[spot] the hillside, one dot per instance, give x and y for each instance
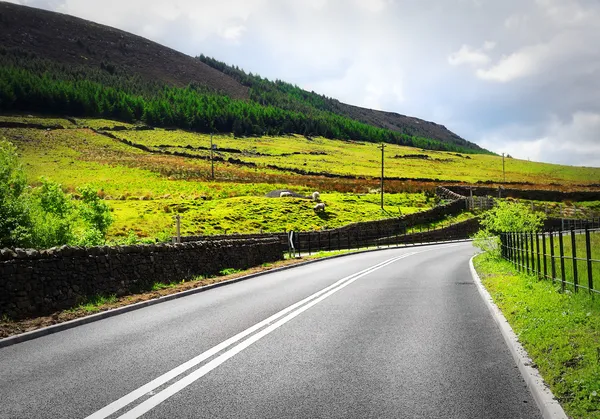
(282, 94)
(57, 64)
(76, 42)
(146, 176)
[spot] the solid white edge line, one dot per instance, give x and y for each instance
(169, 375)
(545, 400)
(173, 389)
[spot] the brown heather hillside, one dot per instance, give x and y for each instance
(76, 41)
(401, 123)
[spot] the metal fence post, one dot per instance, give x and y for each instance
(544, 252)
(562, 259)
(526, 252)
(533, 268)
(518, 251)
(574, 257)
(537, 252)
(588, 250)
(552, 264)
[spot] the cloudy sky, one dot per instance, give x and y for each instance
(514, 76)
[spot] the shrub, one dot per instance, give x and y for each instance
(52, 215)
(505, 217)
(94, 211)
(14, 212)
(509, 217)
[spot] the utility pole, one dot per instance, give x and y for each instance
(212, 163)
(382, 148)
(503, 172)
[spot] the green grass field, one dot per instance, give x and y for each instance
(146, 188)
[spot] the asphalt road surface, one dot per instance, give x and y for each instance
(399, 333)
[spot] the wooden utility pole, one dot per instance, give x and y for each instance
(382, 146)
(503, 172)
(212, 163)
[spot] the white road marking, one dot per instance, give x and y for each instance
(152, 402)
(170, 375)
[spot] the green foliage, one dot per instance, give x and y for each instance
(52, 216)
(505, 217)
(510, 217)
(229, 271)
(488, 243)
(14, 213)
(89, 237)
(46, 216)
(94, 210)
(96, 303)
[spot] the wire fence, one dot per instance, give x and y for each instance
(569, 257)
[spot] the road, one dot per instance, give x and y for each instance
(387, 334)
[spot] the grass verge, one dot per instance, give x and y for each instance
(560, 331)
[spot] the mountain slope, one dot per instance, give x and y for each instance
(64, 64)
(74, 41)
(288, 96)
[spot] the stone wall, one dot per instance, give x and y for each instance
(41, 282)
(357, 237)
(530, 194)
(372, 229)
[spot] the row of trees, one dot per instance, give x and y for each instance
(291, 97)
(189, 108)
(30, 84)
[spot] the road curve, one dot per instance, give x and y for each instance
(388, 334)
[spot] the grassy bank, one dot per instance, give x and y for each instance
(560, 331)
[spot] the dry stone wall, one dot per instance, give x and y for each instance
(530, 194)
(41, 282)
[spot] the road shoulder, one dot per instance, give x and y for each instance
(542, 395)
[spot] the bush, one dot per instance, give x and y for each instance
(488, 243)
(52, 215)
(510, 217)
(505, 217)
(14, 212)
(94, 211)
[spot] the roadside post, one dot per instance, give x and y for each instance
(177, 238)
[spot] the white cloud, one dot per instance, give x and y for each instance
(489, 45)
(468, 55)
(515, 66)
(374, 6)
(575, 141)
(234, 33)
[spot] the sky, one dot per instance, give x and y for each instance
(520, 77)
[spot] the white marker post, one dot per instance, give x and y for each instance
(177, 219)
